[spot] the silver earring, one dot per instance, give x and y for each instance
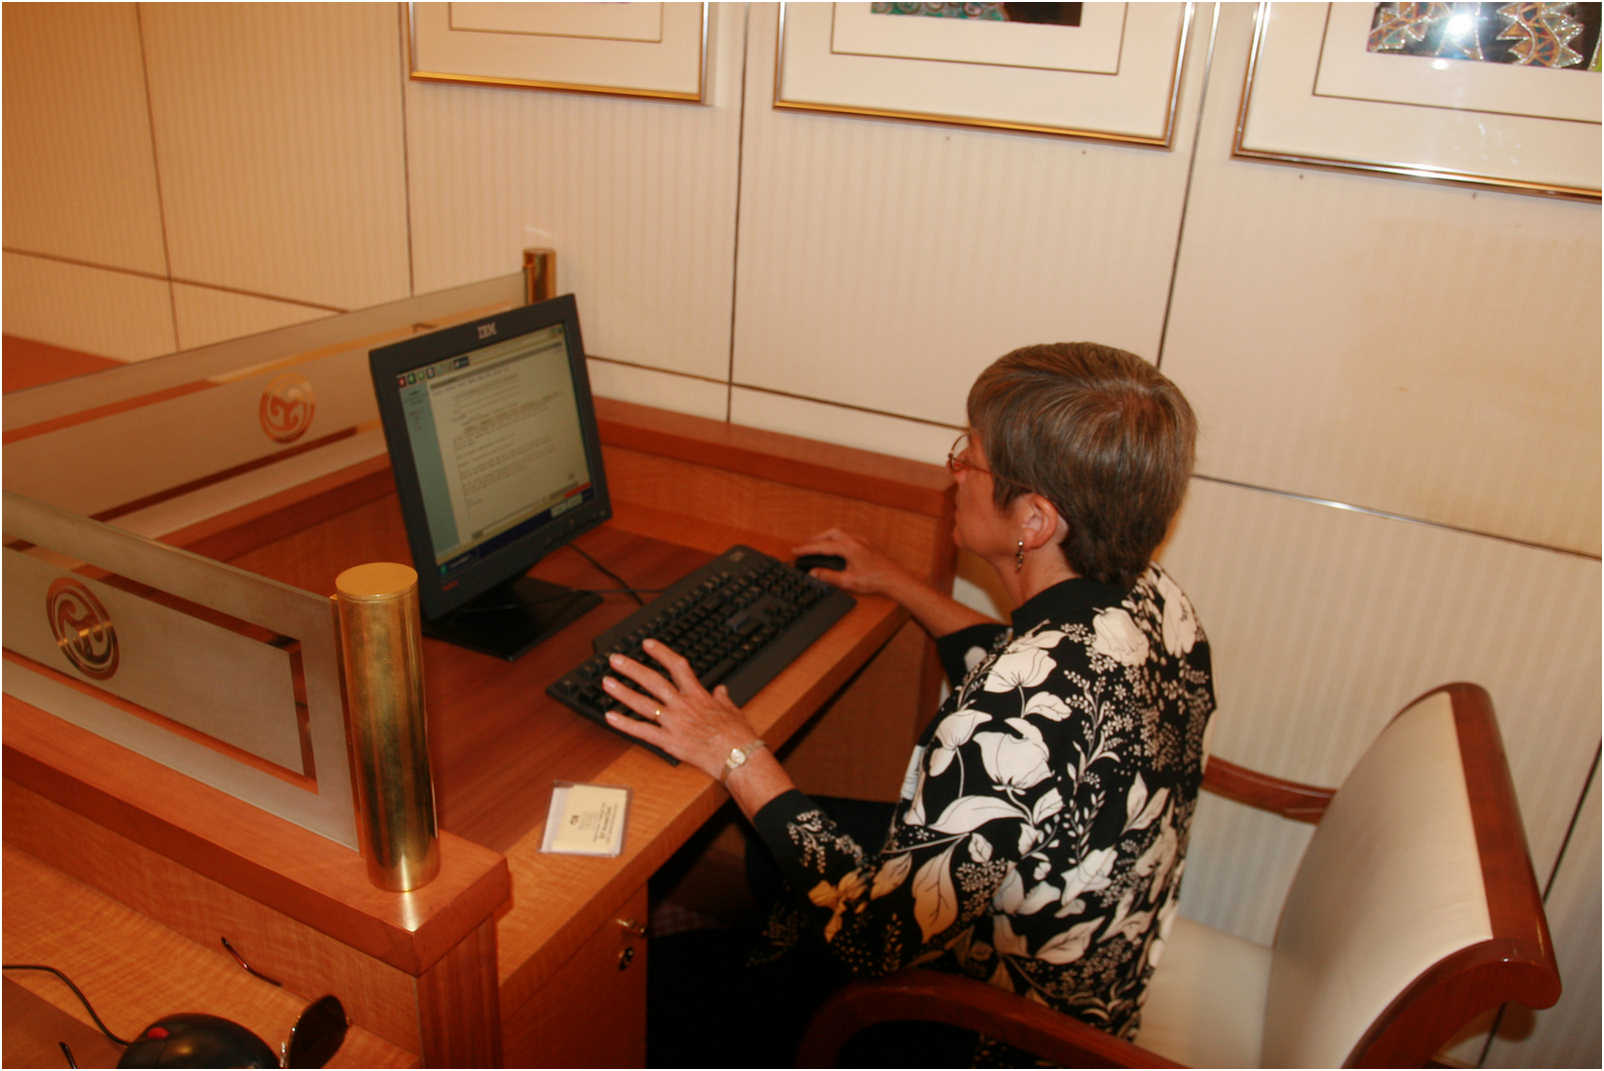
(1019, 556)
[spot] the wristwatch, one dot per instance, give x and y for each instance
(738, 757)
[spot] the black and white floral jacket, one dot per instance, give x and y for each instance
(1039, 840)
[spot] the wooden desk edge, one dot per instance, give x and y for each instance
(810, 463)
(299, 873)
(913, 486)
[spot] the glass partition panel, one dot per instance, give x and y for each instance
(223, 675)
(226, 676)
(315, 337)
(257, 414)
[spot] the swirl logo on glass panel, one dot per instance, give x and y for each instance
(287, 407)
(82, 628)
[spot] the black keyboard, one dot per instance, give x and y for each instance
(739, 620)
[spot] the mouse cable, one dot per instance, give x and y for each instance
(75, 992)
(625, 589)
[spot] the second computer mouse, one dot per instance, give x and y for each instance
(809, 562)
(192, 1039)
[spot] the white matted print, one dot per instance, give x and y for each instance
(1093, 47)
(1371, 87)
(629, 49)
(1108, 71)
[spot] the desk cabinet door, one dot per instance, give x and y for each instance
(592, 1013)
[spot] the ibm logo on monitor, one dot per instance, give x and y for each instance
(487, 330)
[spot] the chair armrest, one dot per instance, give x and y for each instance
(931, 996)
(1289, 799)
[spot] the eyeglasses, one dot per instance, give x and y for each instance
(319, 1032)
(955, 459)
(316, 1035)
(957, 462)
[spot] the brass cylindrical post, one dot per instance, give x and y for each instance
(381, 642)
(540, 275)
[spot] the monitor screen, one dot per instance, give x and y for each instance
(492, 439)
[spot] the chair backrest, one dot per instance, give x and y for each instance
(1414, 907)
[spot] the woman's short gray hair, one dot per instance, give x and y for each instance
(1102, 435)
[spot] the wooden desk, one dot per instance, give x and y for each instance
(509, 954)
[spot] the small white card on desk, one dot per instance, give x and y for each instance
(586, 819)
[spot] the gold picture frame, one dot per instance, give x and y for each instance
(620, 49)
(1313, 97)
(1116, 77)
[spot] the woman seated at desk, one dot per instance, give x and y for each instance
(1039, 838)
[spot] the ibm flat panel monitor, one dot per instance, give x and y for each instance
(492, 438)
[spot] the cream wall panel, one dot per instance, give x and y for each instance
(884, 263)
(279, 138)
(109, 313)
(80, 180)
(976, 585)
(1324, 622)
(1239, 866)
(1566, 1035)
(648, 386)
(867, 430)
(1397, 345)
(637, 196)
(206, 315)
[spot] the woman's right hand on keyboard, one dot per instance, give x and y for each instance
(690, 723)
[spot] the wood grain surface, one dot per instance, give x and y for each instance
(52, 919)
(429, 970)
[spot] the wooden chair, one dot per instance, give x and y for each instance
(1413, 910)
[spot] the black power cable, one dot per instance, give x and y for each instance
(75, 992)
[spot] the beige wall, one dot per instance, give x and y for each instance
(1427, 355)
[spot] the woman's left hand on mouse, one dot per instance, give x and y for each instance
(683, 718)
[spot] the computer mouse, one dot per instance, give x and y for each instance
(193, 1039)
(809, 562)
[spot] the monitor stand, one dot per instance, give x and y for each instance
(509, 619)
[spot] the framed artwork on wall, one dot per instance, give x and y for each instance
(1104, 71)
(627, 49)
(1505, 96)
